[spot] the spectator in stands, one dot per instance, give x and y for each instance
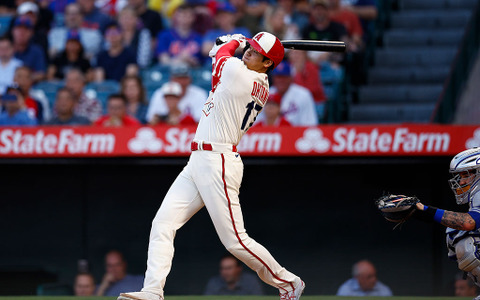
(8, 63)
(465, 287)
(249, 13)
(180, 43)
(117, 61)
(204, 15)
(232, 280)
(23, 79)
(84, 285)
(150, 19)
(65, 110)
(225, 24)
(293, 14)
(298, 105)
(85, 106)
(137, 39)
(116, 279)
(172, 92)
(44, 16)
(192, 98)
(134, 91)
(29, 53)
(71, 57)
(92, 16)
(364, 282)
(271, 111)
(14, 113)
(165, 8)
(116, 116)
(275, 23)
(322, 28)
(306, 74)
(90, 38)
(30, 10)
(366, 10)
(350, 21)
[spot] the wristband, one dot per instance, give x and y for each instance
(429, 214)
(438, 215)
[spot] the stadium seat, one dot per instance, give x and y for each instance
(106, 86)
(101, 96)
(155, 76)
(203, 78)
(58, 19)
(4, 24)
(49, 86)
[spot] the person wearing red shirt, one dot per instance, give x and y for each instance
(172, 92)
(351, 22)
(273, 116)
(116, 113)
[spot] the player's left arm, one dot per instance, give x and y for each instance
(456, 220)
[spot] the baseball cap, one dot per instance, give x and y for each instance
(180, 70)
(283, 69)
(27, 7)
(23, 21)
(9, 97)
(73, 35)
(274, 98)
(171, 88)
(226, 7)
(269, 46)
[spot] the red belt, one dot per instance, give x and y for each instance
(207, 147)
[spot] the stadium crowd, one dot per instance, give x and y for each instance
(129, 62)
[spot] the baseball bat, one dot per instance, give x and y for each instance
(311, 45)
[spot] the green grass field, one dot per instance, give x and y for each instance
(233, 298)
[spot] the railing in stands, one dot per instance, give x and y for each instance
(459, 72)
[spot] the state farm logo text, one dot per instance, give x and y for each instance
(66, 141)
(349, 140)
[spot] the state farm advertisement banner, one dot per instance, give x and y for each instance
(386, 140)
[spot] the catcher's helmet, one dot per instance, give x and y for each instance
(465, 166)
(269, 46)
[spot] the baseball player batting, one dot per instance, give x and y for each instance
(214, 171)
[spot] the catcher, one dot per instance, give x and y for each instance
(463, 234)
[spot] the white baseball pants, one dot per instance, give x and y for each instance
(210, 179)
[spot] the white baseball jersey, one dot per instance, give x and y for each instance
(298, 106)
(212, 178)
(191, 103)
(238, 95)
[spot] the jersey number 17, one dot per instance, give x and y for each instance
(251, 107)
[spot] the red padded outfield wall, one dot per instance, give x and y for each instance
(335, 140)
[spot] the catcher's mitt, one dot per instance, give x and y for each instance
(396, 208)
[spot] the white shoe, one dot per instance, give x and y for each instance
(295, 293)
(139, 296)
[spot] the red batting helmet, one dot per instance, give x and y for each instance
(269, 46)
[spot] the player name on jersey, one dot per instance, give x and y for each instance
(384, 140)
(259, 92)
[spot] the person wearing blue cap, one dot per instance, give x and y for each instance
(225, 19)
(73, 56)
(297, 105)
(90, 38)
(29, 53)
(14, 113)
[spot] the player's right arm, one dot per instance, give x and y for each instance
(456, 220)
